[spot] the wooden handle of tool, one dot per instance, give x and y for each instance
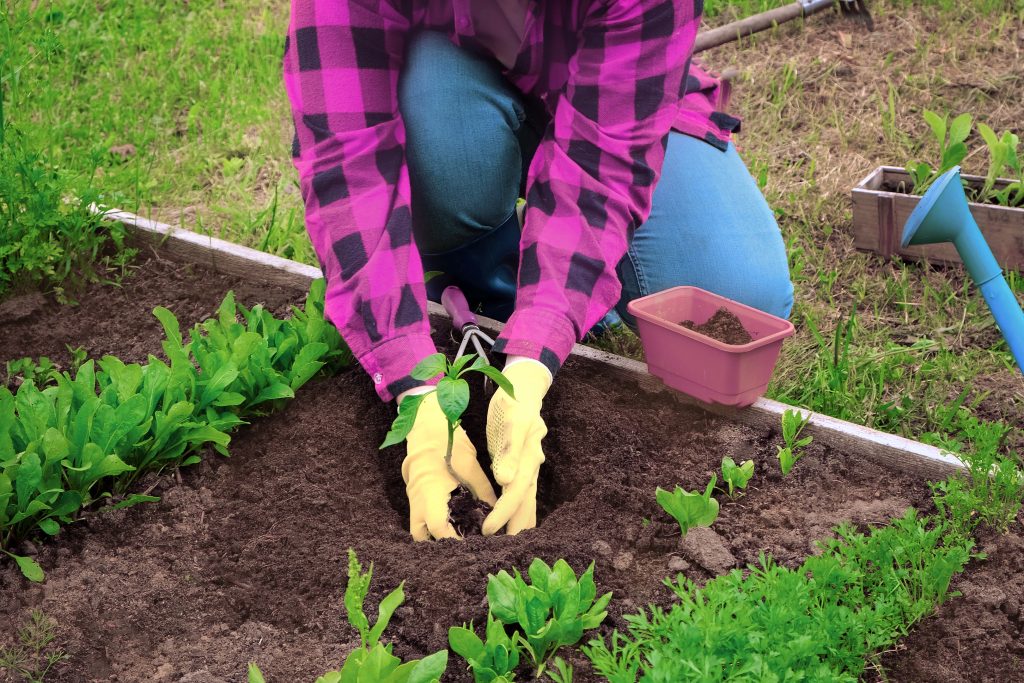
(454, 302)
(745, 27)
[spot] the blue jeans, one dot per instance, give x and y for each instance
(469, 138)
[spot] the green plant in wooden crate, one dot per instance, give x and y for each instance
(690, 508)
(1003, 161)
(552, 611)
(793, 422)
(736, 476)
(952, 148)
(373, 661)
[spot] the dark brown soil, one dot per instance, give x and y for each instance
(723, 326)
(244, 559)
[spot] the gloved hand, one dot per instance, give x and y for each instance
(428, 482)
(514, 433)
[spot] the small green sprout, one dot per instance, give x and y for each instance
(690, 509)
(452, 395)
(793, 422)
(736, 476)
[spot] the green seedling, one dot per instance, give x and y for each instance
(372, 661)
(736, 476)
(491, 661)
(560, 671)
(552, 611)
(690, 509)
(33, 657)
(452, 395)
(1003, 160)
(793, 422)
(952, 149)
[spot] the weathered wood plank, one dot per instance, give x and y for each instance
(889, 450)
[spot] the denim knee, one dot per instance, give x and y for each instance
(464, 158)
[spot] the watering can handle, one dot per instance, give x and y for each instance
(454, 302)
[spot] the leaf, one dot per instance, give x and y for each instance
(501, 596)
(465, 643)
(430, 367)
(134, 499)
(960, 128)
(954, 154)
(49, 526)
(29, 567)
(405, 419)
(274, 392)
(988, 135)
(937, 125)
(387, 607)
(498, 378)
(453, 397)
(255, 675)
(430, 668)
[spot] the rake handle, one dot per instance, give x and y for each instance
(454, 302)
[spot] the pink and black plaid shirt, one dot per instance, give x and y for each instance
(615, 78)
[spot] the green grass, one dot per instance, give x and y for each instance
(195, 89)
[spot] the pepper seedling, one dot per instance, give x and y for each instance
(793, 422)
(491, 661)
(452, 395)
(736, 476)
(553, 610)
(690, 509)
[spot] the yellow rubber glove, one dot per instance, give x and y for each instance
(428, 482)
(514, 433)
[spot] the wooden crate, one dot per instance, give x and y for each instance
(879, 214)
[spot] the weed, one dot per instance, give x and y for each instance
(33, 657)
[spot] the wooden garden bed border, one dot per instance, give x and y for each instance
(226, 257)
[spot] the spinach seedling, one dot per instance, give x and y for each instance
(452, 395)
(952, 149)
(491, 661)
(690, 509)
(736, 476)
(553, 610)
(372, 661)
(793, 422)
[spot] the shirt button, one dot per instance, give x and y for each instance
(378, 378)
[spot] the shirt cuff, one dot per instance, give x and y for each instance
(542, 335)
(390, 363)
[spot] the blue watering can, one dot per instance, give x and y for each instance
(943, 215)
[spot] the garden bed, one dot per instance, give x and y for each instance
(243, 559)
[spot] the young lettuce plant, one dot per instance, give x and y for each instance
(553, 610)
(491, 661)
(452, 395)
(793, 422)
(372, 661)
(1003, 159)
(690, 509)
(736, 476)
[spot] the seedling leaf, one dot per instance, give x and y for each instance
(404, 421)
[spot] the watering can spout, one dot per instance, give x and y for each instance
(943, 215)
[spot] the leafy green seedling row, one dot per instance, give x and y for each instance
(90, 435)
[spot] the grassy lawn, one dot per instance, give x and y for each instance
(176, 111)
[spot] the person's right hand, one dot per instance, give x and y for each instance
(428, 483)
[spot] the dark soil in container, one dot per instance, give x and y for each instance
(723, 326)
(243, 559)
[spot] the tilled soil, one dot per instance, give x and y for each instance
(244, 558)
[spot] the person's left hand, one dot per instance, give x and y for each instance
(514, 433)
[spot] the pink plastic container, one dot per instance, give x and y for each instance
(697, 365)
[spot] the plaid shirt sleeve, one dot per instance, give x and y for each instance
(341, 65)
(591, 181)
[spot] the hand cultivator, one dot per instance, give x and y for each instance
(465, 329)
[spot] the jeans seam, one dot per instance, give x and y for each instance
(641, 279)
